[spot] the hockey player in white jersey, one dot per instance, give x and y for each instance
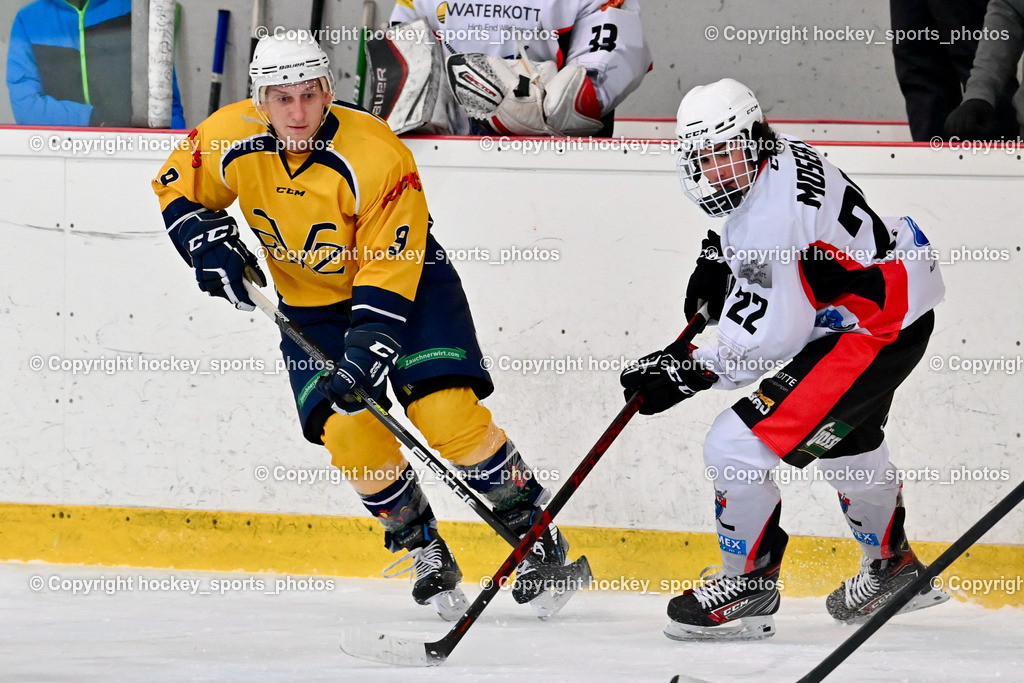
(837, 297)
(536, 67)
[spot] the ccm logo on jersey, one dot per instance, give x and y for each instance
(288, 190)
(411, 180)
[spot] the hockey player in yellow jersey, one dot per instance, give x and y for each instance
(336, 202)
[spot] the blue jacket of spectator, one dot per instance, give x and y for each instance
(72, 67)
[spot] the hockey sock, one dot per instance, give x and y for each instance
(747, 519)
(503, 479)
(876, 522)
(869, 493)
(403, 510)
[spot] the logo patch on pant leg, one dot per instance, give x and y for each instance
(826, 437)
(732, 545)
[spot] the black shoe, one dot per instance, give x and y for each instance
(877, 582)
(435, 572)
(545, 578)
(749, 600)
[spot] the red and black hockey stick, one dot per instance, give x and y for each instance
(379, 647)
(886, 613)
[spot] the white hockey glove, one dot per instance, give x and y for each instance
(571, 105)
(507, 94)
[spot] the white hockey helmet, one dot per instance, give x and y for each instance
(710, 115)
(285, 59)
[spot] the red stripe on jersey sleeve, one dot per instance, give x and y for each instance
(876, 294)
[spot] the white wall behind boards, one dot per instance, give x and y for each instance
(90, 276)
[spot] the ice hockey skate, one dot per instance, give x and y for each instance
(546, 578)
(729, 607)
(436, 577)
(876, 583)
(726, 607)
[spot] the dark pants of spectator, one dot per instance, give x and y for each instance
(933, 66)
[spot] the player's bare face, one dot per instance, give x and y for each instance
(296, 111)
(727, 168)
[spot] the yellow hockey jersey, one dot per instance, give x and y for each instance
(347, 220)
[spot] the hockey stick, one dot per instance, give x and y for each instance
(408, 440)
(254, 33)
(160, 67)
(316, 19)
(378, 647)
(369, 17)
(947, 558)
(219, 46)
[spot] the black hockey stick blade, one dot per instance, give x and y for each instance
(410, 652)
(947, 558)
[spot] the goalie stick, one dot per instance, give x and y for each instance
(947, 558)
(379, 647)
(579, 573)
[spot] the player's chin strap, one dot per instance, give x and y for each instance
(453, 482)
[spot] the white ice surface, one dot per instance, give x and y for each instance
(252, 634)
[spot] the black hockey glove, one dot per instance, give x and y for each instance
(220, 257)
(664, 378)
(370, 351)
(972, 120)
(709, 281)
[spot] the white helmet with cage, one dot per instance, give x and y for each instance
(714, 120)
(286, 59)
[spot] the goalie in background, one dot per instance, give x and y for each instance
(556, 67)
(336, 201)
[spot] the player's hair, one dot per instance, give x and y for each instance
(766, 141)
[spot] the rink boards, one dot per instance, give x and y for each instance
(130, 395)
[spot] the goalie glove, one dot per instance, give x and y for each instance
(571, 105)
(220, 258)
(507, 94)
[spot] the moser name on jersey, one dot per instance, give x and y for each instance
(810, 174)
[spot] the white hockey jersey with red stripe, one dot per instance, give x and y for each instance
(604, 36)
(811, 258)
